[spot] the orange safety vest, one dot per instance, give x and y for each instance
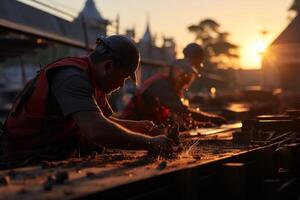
(138, 110)
(30, 132)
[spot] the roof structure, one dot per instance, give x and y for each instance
(23, 28)
(18, 17)
(90, 11)
(291, 35)
(150, 51)
(147, 37)
(15, 47)
(93, 22)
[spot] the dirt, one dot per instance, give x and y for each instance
(108, 169)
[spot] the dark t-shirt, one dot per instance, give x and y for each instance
(163, 91)
(70, 91)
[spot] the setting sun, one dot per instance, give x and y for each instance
(259, 48)
(253, 52)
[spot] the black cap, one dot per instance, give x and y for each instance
(194, 51)
(123, 49)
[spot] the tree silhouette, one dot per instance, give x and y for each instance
(295, 6)
(220, 52)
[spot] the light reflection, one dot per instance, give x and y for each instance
(213, 92)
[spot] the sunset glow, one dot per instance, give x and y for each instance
(252, 53)
(171, 20)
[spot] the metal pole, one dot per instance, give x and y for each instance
(118, 24)
(23, 72)
(85, 34)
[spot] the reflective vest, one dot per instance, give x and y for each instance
(30, 132)
(137, 109)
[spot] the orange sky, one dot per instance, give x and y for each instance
(243, 19)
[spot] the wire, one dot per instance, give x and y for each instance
(64, 6)
(54, 8)
(110, 29)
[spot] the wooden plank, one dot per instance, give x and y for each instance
(106, 171)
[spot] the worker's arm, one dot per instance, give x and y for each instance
(102, 131)
(170, 99)
(163, 92)
(71, 91)
(144, 126)
(139, 126)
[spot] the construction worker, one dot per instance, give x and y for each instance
(65, 107)
(159, 97)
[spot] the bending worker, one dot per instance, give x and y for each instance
(64, 107)
(159, 97)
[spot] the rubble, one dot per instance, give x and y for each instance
(162, 165)
(4, 180)
(61, 177)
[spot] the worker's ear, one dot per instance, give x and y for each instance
(108, 66)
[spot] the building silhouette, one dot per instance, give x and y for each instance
(281, 62)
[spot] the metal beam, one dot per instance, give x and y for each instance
(21, 28)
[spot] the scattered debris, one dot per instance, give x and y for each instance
(173, 133)
(23, 191)
(48, 185)
(129, 174)
(162, 165)
(46, 164)
(192, 161)
(90, 175)
(216, 151)
(12, 174)
(61, 177)
(4, 180)
(94, 155)
(197, 156)
(78, 170)
(68, 192)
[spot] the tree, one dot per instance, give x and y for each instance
(220, 52)
(295, 6)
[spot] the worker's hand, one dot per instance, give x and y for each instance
(148, 125)
(160, 144)
(173, 133)
(150, 128)
(143, 126)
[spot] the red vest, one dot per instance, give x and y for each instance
(30, 132)
(138, 110)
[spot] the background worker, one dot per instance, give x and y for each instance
(159, 97)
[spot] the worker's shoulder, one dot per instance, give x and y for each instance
(180, 62)
(160, 85)
(68, 73)
(65, 72)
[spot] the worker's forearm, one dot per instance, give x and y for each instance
(113, 135)
(126, 123)
(102, 131)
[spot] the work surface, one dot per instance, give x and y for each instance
(78, 177)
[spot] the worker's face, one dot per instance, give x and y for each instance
(186, 80)
(111, 77)
(196, 62)
(183, 81)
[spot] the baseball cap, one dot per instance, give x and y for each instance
(195, 53)
(123, 50)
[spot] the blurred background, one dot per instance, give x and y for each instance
(252, 47)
